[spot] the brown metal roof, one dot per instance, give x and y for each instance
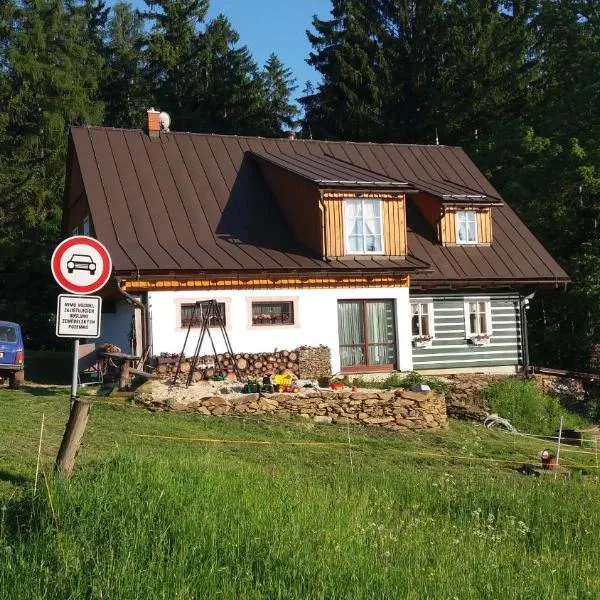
(515, 255)
(330, 172)
(187, 203)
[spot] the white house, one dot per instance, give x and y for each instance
(394, 256)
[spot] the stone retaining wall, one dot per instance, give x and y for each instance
(396, 410)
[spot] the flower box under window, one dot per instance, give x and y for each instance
(422, 341)
(272, 313)
(480, 340)
(192, 315)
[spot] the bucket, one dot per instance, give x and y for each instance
(548, 461)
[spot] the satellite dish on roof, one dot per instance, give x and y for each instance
(165, 121)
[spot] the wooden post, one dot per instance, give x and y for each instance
(78, 418)
(124, 375)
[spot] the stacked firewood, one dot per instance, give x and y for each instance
(249, 365)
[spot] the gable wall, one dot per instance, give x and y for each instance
(77, 204)
(484, 225)
(299, 201)
(394, 223)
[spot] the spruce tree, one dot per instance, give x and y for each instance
(52, 71)
(174, 58)
(124, 88)
(230, 96)
(348, 54)
(279, 86)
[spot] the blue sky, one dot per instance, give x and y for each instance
(278, 26)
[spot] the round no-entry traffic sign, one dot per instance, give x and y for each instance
(81, 265)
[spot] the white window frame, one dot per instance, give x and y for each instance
(347, 229)
(488, 316)
(466, 213)
(430, 319)
(293, 300)
(86, 225)
(180, 303)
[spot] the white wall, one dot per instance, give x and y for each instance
(316, 320)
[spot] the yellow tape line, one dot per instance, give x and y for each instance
(256, 442)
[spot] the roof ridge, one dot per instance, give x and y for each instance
(260, 137)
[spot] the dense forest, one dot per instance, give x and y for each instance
(516, 83)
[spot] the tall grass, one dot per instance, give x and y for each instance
(198, 528)
(528, 408)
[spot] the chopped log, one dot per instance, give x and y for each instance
(290, 365)
(197, 376)
(226, 362)
(209, 373)
(257, 364)
(162, 369)
(286, 354)
(242, 364)
(185, 367)
(293, 356)
(246, 356)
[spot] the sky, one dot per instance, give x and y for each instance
(278, 26)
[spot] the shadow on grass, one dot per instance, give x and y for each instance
(45, 391)
(13, 477)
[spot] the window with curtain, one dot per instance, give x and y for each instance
(367, 333)
(195, 318)
(422, 319)
(477, 313)
(272, 313)
(86, 225)
(466, 227)
(363, 226)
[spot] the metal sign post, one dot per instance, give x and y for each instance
(81, 265)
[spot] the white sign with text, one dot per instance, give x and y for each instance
(78, 316)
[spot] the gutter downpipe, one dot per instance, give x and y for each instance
(143, 309)
(523, 304)
(324, 225)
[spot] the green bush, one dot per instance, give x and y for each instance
(403, 380)
(527, 408)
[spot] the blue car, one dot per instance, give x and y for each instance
(12, 354)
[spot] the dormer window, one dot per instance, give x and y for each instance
(466, 227)
(363, 226)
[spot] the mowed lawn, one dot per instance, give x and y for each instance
(312, 511)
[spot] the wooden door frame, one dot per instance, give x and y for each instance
(369, 368)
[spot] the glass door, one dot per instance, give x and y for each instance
(367, 333)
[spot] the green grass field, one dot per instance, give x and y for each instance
(307, 515)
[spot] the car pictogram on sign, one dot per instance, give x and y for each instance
(81, 262)
(81, 265)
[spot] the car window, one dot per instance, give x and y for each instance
(7, 334)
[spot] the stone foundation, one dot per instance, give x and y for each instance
(397, 410)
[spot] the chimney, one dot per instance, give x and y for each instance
(291, 135)
(153, 123)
